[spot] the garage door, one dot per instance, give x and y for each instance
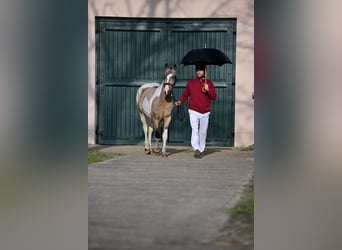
(131, 52)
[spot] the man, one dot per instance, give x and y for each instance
(201, 91)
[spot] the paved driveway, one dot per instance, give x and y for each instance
(144, 202)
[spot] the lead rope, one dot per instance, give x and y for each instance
(180, 113)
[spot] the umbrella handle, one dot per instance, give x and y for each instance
(203, 87)
(205, 79)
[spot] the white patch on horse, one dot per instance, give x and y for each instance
(168, 77)
(147, 104)
(146, 85)
(167, 88)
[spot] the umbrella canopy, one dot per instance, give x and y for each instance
(207, 56)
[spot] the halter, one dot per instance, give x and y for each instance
(169, 83)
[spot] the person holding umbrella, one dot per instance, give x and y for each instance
(200, 91)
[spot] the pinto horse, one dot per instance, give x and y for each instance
(154, 102)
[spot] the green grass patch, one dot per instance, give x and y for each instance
(239, 229)
(98, 156)
(243, 207)
(248, 148)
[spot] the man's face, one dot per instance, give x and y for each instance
(200, 72)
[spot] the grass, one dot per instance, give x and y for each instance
(244, 207)
(239, 229)
(248, 148)
(98, 156)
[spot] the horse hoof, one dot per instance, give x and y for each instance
(148, 152)
(165, 155)
(157, 152)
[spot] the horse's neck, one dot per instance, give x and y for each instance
(158, 93)
(161, 94)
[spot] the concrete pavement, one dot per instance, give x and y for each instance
(146, 202)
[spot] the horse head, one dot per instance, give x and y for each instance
(169, 79)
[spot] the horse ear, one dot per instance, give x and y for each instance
(166, 65)
(175, 67)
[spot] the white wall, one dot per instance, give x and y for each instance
(243, 10)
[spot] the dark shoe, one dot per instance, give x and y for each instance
(197, 154)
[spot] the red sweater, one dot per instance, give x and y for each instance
(199, 101)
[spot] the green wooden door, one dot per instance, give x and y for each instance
(131, 52)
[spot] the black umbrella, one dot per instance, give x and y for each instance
(207, 56)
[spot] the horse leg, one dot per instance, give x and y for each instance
(157, 134)
(167, 121)
(146, 133)
(164, 154)
(149, 140)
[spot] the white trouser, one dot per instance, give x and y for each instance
(199, 125)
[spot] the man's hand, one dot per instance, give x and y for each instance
(205, 88)
(177, 103)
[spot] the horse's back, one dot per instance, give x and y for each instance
(144, 87)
